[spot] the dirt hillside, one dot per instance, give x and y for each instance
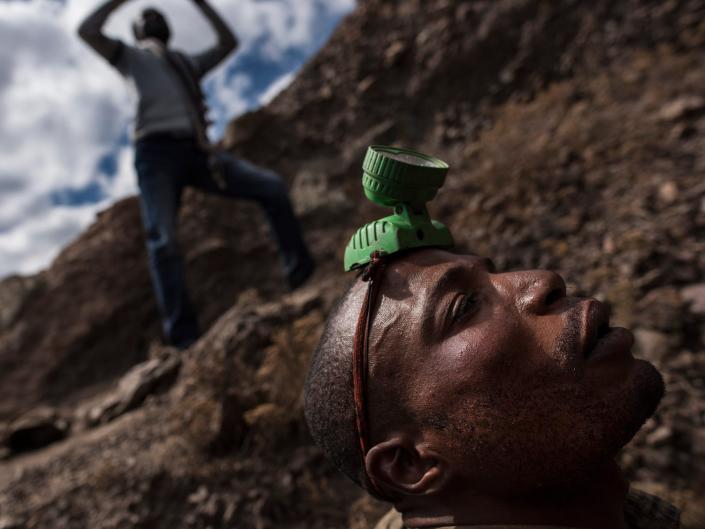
(576, 136)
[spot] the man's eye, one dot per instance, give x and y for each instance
(465, 304)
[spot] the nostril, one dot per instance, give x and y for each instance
(553, 296)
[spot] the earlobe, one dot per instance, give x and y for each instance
(398, 465)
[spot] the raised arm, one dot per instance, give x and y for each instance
(227, 41)
(91, 30)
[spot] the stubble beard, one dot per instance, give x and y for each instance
(551, 437)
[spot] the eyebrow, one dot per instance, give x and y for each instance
(451, 275)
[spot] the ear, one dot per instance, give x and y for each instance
(406, 467)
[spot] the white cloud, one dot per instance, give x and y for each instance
(227, 100)
(35, 244)
(63, 108)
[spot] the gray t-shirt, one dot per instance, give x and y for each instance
(162, 104)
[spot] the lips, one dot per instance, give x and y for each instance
(597, 325)
(601, 339)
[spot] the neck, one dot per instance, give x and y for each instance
(597, 503)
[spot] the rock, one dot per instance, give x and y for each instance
(303, 301)
(683, 362)
(668, 192)
(682, 107)
(7, 522)
(694, 296)
(365, 84)
(269, 424)
(394, 52)
(35, 429)
(262, 414)
(682, 131)
(213, 424)
(652, 345)
(660, 436)
(199, 496)
(152, 376)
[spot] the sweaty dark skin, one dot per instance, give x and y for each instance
(494, 398)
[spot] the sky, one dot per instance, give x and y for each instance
(65, 149)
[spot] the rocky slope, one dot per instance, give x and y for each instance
(575, 132)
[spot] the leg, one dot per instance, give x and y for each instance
(241, 179)
(160, 196)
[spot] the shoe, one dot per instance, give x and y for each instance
(301, 273)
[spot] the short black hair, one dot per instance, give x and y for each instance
(151, 23)
(328, 394)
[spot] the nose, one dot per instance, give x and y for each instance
(533, 291)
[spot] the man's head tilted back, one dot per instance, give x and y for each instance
(481, 385)
(151, 24)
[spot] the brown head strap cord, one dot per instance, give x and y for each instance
(373, 275)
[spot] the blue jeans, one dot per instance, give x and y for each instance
(166, 166)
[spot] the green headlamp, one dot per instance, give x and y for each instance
(404, 180)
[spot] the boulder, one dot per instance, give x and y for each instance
(694, 296)
(668, 192)
(660, 436)
(652, 345)
(153, 376)
(7, 522)
(35, 429)
(682, 107)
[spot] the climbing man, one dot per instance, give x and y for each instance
(473, 398)
(172, 152)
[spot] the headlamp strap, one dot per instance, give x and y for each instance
(372, 274)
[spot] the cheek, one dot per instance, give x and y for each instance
(490, 353)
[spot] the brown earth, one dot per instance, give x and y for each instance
(576, 136)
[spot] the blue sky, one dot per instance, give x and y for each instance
(64, 137)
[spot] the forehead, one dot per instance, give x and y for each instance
(419, 273)
(411, 287)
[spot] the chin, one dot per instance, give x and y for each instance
(608, 425)
(648, 389)
(628, 409)
(625, 403)
(553, 439)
